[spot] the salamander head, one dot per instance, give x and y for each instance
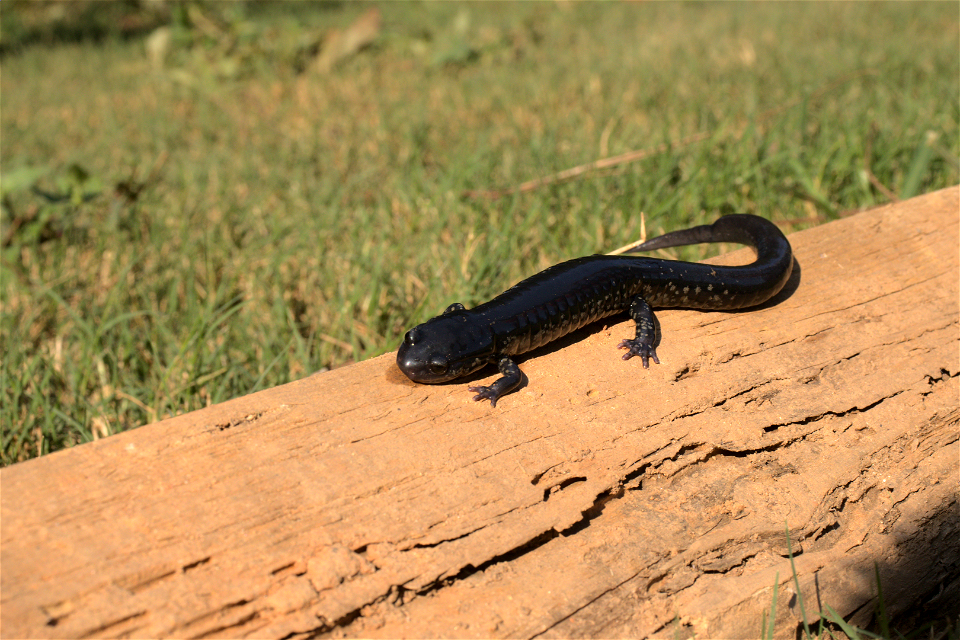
(449, 346)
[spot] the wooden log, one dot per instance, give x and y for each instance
(600, 500)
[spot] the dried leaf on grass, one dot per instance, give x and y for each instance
(340, 45)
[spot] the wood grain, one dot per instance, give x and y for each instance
(600, 500)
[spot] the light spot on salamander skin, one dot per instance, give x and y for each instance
(685, 291)
(697, 290)
(709, 287)
(726, 292)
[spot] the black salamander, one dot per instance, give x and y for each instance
(572, 294)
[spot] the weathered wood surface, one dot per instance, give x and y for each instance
(601, 500)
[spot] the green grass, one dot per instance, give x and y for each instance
(178, 237)
(832, 625)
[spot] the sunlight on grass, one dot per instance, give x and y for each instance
(237, 218)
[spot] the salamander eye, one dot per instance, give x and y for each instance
(411, 337)
(437, 366)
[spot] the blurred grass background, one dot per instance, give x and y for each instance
(200, 202)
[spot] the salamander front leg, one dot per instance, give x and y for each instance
(648, 333)
(501, 386)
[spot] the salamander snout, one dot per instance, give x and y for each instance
(419, 361)
(444, 348)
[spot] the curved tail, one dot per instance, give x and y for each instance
(774, 262)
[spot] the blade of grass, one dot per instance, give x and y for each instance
(767, 625)
(919, 166)
(882, 618)
(854, 633)
(796, 582)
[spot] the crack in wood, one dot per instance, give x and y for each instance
(560, 486)
(431, 545)
(252, 417)
(237, 624)
(830, 413)
(113, 624)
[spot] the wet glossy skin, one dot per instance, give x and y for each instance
(575, 293)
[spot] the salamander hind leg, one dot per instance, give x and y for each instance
(501, 386)
(648, 333)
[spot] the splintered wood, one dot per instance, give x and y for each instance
(601, 500)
